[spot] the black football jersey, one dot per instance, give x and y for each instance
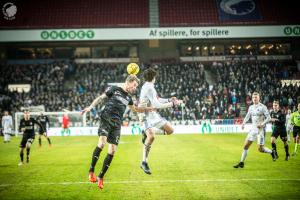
(118, 100)
(281, 117)
(44, 120)
(29, 125)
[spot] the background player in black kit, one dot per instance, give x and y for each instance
(279, 129)
(111, 117)
(27, 127)
(44, 121)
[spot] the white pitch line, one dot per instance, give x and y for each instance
(150, 181)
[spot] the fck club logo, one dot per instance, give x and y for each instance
(9, 11)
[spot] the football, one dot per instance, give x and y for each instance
(133, 68)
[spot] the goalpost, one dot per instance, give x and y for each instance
(55, 118)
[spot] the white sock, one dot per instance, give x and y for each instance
(267, 150)
(244, 155)
(6, 137)
(146, 151)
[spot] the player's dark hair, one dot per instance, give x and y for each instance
(149, 74)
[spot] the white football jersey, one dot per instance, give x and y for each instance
(259, 114)
(149, 98)
(287, 119)
(7, 124)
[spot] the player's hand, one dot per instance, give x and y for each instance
(173, 99)
(259, 126)
(86, 110)
(274, 120)
(177, 102)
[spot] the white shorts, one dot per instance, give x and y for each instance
(258, 134)
(155, 120)
(289, 128)
(7, 131)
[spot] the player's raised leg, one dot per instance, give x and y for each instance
(95, 157)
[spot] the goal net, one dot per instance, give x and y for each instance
(55, 119)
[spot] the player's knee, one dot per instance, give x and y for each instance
(261, 149)
(150, 138)
(101, 144)
(170, 131)
(112, 151)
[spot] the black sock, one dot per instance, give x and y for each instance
(286, 147)
(27, 153)
(21, 155)
(95, 158)
(274, 146)
(106, 164)
(40, 141)
(49, 140)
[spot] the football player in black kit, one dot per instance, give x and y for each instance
(279, 129)
(44, 121)
(27, 127)
(111, 117)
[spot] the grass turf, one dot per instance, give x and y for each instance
(183, 167)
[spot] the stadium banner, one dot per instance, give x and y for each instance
(178, 129)
(245, 10)
(222, 32)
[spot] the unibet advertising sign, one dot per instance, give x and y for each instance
(67, 35)
(213, 32)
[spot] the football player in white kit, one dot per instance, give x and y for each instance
(289, 127)
(7, 125)
(154, 123)
(260, 116)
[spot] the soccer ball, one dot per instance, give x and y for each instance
(133, 68)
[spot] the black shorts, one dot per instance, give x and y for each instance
(111, 128)
(296, 131)
(41, 132)
(27, 137)
(280, 132)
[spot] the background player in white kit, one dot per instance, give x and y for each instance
(289, 127)
(7, 125)
(260, 116)
(154, 123)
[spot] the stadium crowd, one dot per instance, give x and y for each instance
(73, 86)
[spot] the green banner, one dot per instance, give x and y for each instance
(221, 32)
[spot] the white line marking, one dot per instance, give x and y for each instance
(153, 181)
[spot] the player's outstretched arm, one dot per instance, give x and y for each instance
(98, 100)
(140, 109)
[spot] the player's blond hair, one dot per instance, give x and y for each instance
(255, 93)
(132, 78)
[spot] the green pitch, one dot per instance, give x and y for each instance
(183, 167)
